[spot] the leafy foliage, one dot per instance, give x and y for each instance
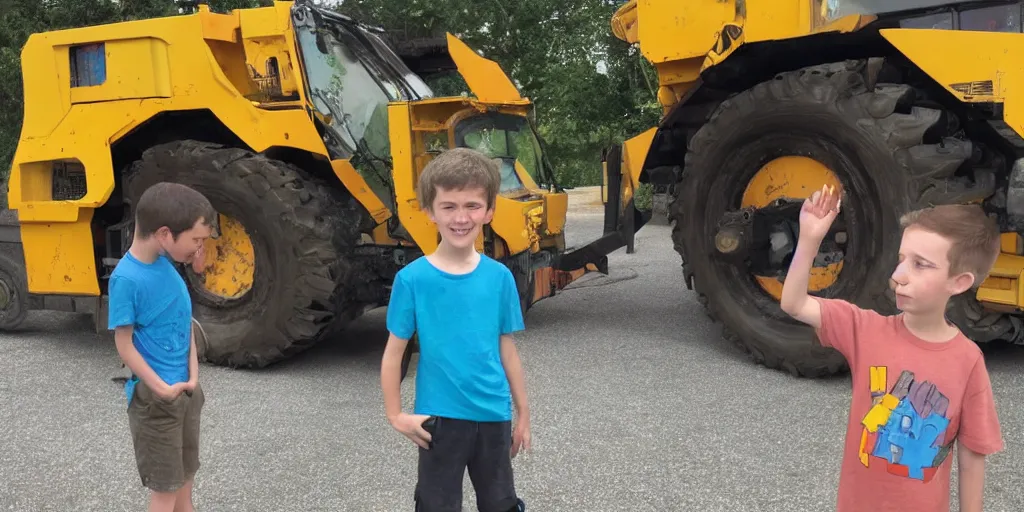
(589, 88)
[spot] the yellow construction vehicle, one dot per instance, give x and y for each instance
(904, 103)
(305, 129)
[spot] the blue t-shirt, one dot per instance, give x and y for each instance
(153, 298)
(459, 319)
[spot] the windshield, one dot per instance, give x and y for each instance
(978, 15)
(831, 10)
(511, 140)
(352, 76)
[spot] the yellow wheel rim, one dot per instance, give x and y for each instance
(230, 261)
(795, 177)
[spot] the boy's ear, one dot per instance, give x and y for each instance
(489, 216)
(962, 283)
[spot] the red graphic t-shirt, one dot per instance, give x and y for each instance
(911, 400)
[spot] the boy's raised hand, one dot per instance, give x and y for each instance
(411, 425)
(818, 213)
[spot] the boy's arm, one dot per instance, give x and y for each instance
(816, 217)
(139, 367)
(512, 321)
(795, 300)
(391, 376)
(193, 363)
(516, 377)
(401, 324)
(410, 425)
(129, 354)
(972, 479)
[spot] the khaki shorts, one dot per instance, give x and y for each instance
(165, 435)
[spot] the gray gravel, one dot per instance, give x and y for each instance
(637, 405)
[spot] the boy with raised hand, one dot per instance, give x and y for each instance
(919, 385)
(150, 312)
(464, 307)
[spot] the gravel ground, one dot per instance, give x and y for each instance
(638, 405)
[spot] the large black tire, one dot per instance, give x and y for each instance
(872, 138)
(301, 230)
(13, 290)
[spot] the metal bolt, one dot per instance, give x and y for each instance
(727, 240)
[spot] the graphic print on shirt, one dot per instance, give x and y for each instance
(905, 428)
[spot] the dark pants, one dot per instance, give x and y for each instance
(483, 448)
(165, 435)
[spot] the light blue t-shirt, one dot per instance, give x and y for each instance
(459, 319)
(154, 300)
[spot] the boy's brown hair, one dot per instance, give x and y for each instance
(176, 206)
(973, 235)
(458, 169)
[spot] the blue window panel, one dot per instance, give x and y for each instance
(88, 65)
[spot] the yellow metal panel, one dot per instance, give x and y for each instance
(135, 68)
(952, 59)
(356, 184)
(89, 129)
(766, 21)
(512, 224)
(556, 208)
(1003, 284)
(661, 23)
(231, 58)
(413, 218)
(220, 27)
(1010, 243)
(59, 257)
(483, 76)
(634, 153)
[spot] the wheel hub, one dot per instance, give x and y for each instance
(762, 235)
(230, 261)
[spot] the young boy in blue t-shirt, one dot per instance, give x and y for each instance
(464, 307)
(150, 312)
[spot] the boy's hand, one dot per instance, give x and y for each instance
(818, 213)
(411, 425)
(190, 386)
(199, 260)
(521, 436)
(169, 393)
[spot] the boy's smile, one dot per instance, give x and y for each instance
(460, 215)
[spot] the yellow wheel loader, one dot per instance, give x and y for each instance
(306, 130)
(904, 103)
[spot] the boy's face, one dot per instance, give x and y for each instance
(460, 215)
(922, 281)
(188, 242)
